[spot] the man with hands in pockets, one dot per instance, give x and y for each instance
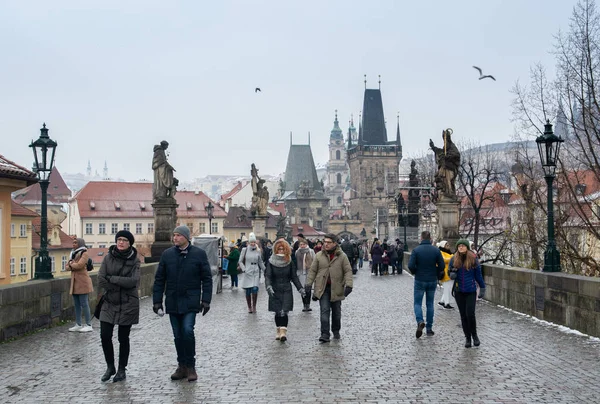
(184, 277)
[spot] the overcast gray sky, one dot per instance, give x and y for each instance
(113, 78)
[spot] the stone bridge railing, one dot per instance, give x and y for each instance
(32, 305)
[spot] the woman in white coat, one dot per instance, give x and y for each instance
(251, 265)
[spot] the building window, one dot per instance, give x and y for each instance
(339, 199)
(202, 228)
(23, 232)
(150, 228)
(101, 228)
(53, 264)
(12, 266)
(63, 263)
(337, 154)
(191, 227)
(101, 245)
(302, 211)
(126, 226)
(338, 178)
(12, 230)
(319, 224)
(114, 228)
(88, 228)
(214, 228)
(319, 212)
(23, 266)
(138, 228)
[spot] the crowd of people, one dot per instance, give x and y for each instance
(320, 270)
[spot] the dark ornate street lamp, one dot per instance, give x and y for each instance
(43, 154)
(209, 211)
(404, 220)
(549, 146)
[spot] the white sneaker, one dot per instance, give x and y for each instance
(75, 328)
(86, 328)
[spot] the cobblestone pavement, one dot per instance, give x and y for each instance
(378, 359)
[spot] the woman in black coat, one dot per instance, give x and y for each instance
(280, 272)
(119, 275)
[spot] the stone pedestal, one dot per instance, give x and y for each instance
(165, 221)
(259, 225)
(448, 216)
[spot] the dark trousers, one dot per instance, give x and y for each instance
(106, 333)
(376, 268)
(281, 320)
(185, 341)
(234, 279)
(329, 308)
(466, 307)
(400, 262)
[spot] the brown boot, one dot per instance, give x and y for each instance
(283, 334)
(192, 376)
(249, 303)
(278, 337)
(180, 373)
(254, 298)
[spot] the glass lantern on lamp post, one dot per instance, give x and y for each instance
(43, 154)
(549, 147)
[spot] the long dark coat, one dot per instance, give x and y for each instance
(121, 300)
(279, 278)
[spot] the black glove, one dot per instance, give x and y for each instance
(347, 291)
(481, 293)
(270, 291)
(452, 275)
(157, 307)
(205, 307)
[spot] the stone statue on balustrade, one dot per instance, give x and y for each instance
(260, 194)
(165, 184)
(448, 163)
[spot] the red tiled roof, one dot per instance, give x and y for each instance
(233, 191)
(58, 192)
(66, 241)
(18, 210)
(97, 256)
(306, 230)
(9, 169)
(278, 206)
(134, 199)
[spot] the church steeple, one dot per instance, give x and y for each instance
(398, 142)
(89, 169)
(336, 132)
(105, 170)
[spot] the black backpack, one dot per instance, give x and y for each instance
(90, 264)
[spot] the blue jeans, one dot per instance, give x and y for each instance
(82, 302)
(330, 308)
(185, 341)
(427, 289)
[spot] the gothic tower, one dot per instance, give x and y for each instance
(373, 162)
(337, 168)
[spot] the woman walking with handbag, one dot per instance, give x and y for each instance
(280, 272)
(119, 275)
(304, 258)
(81, 285)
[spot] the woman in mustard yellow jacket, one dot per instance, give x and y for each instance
(446, 281)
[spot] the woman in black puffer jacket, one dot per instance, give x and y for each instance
(119, 276)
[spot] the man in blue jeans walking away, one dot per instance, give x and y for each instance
(425, 263)
(184, 277)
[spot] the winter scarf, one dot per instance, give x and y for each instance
(279, 261)
(124, 255)
(75, 252)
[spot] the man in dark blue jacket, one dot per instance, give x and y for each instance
(184, 272)
(426, 262)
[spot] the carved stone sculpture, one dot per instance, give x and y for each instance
(165, 184)
(448, 162)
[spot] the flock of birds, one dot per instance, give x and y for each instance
(481, 77)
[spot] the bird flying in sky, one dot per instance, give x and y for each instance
(256, 90)
(481, 76)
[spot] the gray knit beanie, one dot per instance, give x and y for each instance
(183, 230)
